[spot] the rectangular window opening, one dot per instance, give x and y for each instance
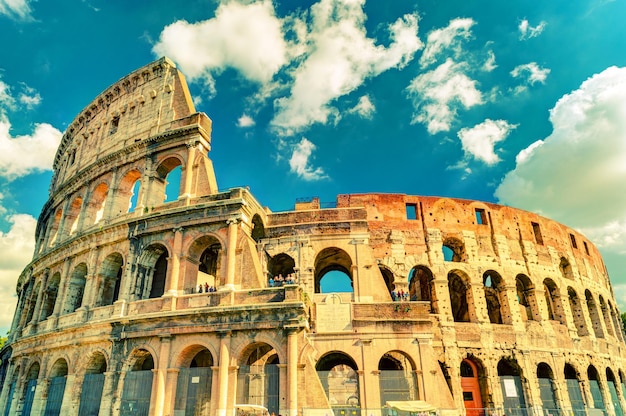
(586, 247)
(571, 237)
(537, 232)
(481, 216)
(411, 211)
(114, 124)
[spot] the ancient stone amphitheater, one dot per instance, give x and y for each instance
(143, 302)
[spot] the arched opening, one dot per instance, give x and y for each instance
(138, 385)
(73, 215)
(76, 289)
(492, 284)
(110, 277)
(97, 204)
(258, 229)
(526, 298)
(56, 388)
(574, 389)
(547, 388)
(605, 315)
(513, 393)
(209, 254)
(54, 229)
(617, 323)
(281, 269)
(333, 271)
(566, 269)
(50, 297)
(420, 285)
(30, 387)
(151, 273)
(134, 196)
(193, 388)
(11, 394)
(167, 185)
(258, 380)
(593, 314)
(553, 301)
(33, 302)
(577, 312)
(93, 385)
(471, 386)
(458, 287)
(594, 387)
(612, 383)
(389, 279)
(128, 193)
(622, 380)
(453, 250)
(396, 377)
(338, 374)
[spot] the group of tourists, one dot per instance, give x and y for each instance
(279, 280)
(399, 296)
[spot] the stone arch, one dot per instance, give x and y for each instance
(566, 269)
(454, 250)
(258, 379)
(526, 298)
(553, 301)
(59, 368)
(161, 188)
(510, 374)
(595, 388)
(396, 377)
(617, 322)
(593, 314)
(72, 217)
(28, 394)
(33, 302)
(193, 386)
(421, 284)
(54, 227)
(388, 278)
(110, 279)
(207, 252)
(574, 389)
(332, 259)
(613, 387)
(459, 288)
(258, 228)
(577, 312)
(281, 266)
(93, 384)
(151, 274)
(606, 316)
(473, 385)
(96, 204)
(493, 286)
(338, 373)
(128, 193)
(50, 296)
(547, 387)
(75, 289)
(137, 390)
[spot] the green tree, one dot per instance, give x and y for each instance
(624, 319)
(3, 340)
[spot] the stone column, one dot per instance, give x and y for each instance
(231, 254)
(42, 290)
(61, 229)
(292, 370)
(171, 383)
(161, 373)
(223, 372)
(108, 393)
(174, 266)
(65, 277)
(186, 188)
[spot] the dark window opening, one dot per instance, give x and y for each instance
(537, 232)
(571, 237)
(586, 247)
(411, 211)
(481, 216)
(114, 125)
(468, 396)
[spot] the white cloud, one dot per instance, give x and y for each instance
(577, 175)
(449, 37)
(16, 9)
(16, 246)
(29, 97)
(245, 121)
(438, 93)
(6, 99)
(338, 58)
(22, 155)
(300, 161)
(246, 37)
(479, 141)
(364, 108)
(527, 31)
(530, 74)
(490, 63)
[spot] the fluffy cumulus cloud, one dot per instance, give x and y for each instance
(22, 155)
(479, 141)
(16, 9)
(437, 94)
(530, 74)
(300, 161)
(246, 37)
(577, 175)
(448, 39)
(528, 32)
(337, 58)
(245, 121)
(364, 108)
(17, 247)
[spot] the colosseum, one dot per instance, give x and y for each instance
(204, 302)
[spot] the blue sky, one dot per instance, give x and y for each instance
(521, 103)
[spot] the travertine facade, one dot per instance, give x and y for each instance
(463, 304)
